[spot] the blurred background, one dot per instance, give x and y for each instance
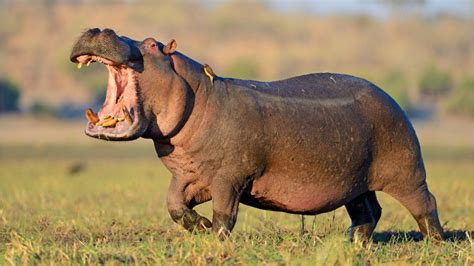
(421, 52)
(56, 183)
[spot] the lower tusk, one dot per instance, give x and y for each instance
(79, 65)
(91, 116)
(105, 121)
(107, 118)
(109, 123)
(126, 114)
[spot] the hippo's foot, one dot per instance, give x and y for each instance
(365, 212)
(430, 226)
(191, 220)
(222, 225)
(422, 206)
(361, 232)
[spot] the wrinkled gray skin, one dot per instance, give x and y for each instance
(304, 145)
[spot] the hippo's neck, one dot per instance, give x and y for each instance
(193, 74)
(188, 69)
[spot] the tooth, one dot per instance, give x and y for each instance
(106, 117)
(109, 123)
(126, 114)
(106, 120)
(89, 62)
(79, 65)
(91, 116)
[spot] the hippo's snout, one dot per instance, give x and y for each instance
(121, 116)
(106, 44)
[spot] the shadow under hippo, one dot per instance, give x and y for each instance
(304, 145)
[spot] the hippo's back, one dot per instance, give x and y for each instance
(318, 86)
(325, 132)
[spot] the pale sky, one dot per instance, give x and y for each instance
(378, 8)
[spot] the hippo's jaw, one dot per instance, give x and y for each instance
(121, 116)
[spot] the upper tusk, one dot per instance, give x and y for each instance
(91, 116)
(126, 114)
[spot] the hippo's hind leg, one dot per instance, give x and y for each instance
(422, 206)
(365, 212)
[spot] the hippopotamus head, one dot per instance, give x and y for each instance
(140, 74)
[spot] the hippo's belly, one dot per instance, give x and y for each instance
(310, 194)
(317, 162)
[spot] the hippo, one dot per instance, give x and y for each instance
(304, 145)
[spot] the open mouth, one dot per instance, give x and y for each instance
(119, 118)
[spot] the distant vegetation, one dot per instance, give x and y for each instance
(434, 81)
(9, 96)
(40, 108)
(395, 84)
(461, 101)
(244, 67)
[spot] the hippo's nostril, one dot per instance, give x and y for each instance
(108, 31)
(94, 31)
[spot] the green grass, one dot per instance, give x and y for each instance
(106, 204)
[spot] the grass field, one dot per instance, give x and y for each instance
(67, 199)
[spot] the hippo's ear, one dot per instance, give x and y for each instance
(170, 47)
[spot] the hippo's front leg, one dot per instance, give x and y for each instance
(225, 203)
(181, 212)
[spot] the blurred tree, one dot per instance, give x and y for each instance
(40, 108)
(461, 100)
(395, 84)
(9, 96)
(245, 68)
(434, 81)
